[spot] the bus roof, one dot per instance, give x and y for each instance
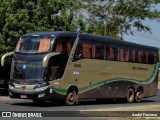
(96, 38)
(54, 33)
(110, 40)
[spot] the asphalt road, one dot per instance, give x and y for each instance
(59, 110)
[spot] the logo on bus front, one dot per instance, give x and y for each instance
(23, 88)
(24, 66)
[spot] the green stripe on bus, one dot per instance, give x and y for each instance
(117, 79)
(59, 90)
(64, 91)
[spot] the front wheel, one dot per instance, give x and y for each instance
(130, 95)
(71, 98)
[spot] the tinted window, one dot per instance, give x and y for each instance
(64, 45)
(34, 44)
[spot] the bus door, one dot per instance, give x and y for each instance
(57, 64)
(84, 69)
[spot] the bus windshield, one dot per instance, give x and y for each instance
(34, 44)
(31, 70)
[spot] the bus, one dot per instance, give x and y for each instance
(73, 66)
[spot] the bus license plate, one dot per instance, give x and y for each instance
(23, 96)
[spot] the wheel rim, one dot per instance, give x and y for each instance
(139, 96)
(130, 95)
(71, 98)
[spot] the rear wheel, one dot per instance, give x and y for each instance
(130, 95)
(71, 98)
(139, 96)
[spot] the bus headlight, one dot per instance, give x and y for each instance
(41, 88)
(41, 85)
(11, 86)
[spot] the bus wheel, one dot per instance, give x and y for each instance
(71, 98)
(139, 96)
(130, 95)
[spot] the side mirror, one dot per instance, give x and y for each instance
(47, 57)
(4, 56)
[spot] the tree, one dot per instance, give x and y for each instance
(18, 17)
(115, 17)
(23, 16)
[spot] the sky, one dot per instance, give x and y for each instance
(146, 38)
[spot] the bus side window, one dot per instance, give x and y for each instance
(130, 55)
(54, 73)
(151, 57)
(86, 50)
(64, 45)
(78, 53)
(143, 57)
(104, 52)
(99, 51)
(115, 53)
(107, 53)
(93, 50)
(146, 57)
(126, 55)
(111, 53)
(58, 46)
(136, 56)
(133, 55)
(155, 57)
(69, 46)
(121, 54)
(139, 56)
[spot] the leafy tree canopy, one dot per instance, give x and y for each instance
(23, 16)
(114, 17)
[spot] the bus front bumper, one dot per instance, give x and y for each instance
(28, 94)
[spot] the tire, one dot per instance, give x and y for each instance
(130, 95)
(71, 98)
(139, 96)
